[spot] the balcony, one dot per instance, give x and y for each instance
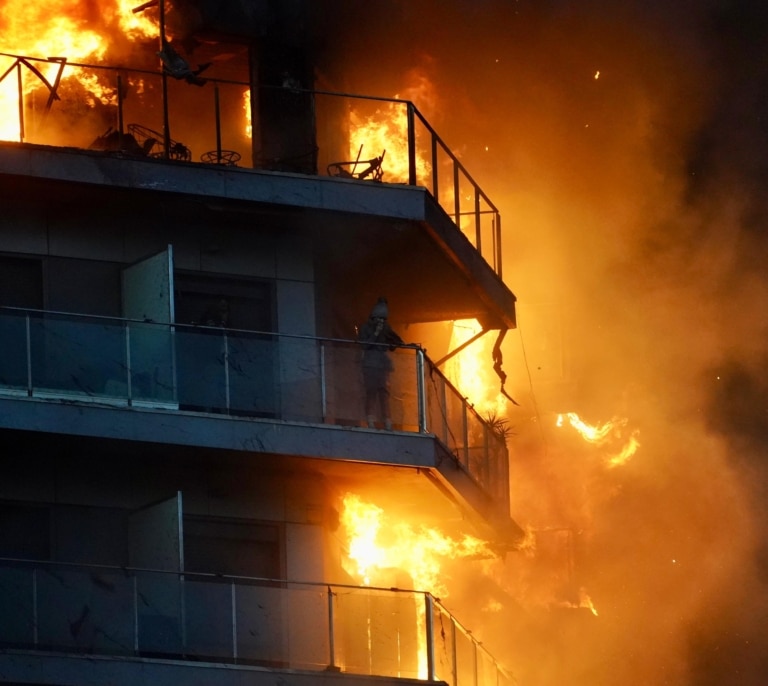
(126, 613)
(317, 132)
(243, 377)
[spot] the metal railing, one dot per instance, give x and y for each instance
(129, 363)
(344, 135)
(120, 611)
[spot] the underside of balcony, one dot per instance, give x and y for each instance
(373, 237)
(410, 473)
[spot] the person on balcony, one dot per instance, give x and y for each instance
(379, 339)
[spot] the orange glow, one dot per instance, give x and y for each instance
(247, 112)
(61, 29)
(471, 370)
(386, 130)
(627, 451)
(608, 432)
(377, 545)
(591, 433)
(586, 601)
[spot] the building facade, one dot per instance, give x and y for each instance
(182, 408)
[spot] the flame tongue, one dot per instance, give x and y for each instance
(607, 433)
(378, 546)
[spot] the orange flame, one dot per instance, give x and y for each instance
(62, 29)
(471, 371)
(247, 111)
(376, 545)
(386, 130)
(586, 601)
(603, 433)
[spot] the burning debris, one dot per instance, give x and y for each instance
(175, 65)
(348, 170)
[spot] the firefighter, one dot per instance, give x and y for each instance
(379, 339)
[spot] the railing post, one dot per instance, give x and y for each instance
(497, 244)
(465, 433)
(128, 372)
(456, 194)
(29, 355)
(323, 388)
(454, 654)
(478, 227)
(429, 611)
(35, 636)
(435, 176)
(135, 614)
(234, 622)
(421, 390)
(411, 144)
(20, 84)
(226, 371)
(218, 122)
(331, 638)
(120, 122)
(443, 400)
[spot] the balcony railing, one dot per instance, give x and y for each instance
(119, 611)
(343, 135)
(127, 363)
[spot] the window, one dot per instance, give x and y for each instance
(21, 282)
(240, 548)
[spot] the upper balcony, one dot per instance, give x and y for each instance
(371, 175)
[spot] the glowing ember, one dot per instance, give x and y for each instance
(627, 451)
(586, 601)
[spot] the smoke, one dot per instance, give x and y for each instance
(625, 146)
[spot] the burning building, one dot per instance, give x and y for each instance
(193, 236)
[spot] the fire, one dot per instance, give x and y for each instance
(627, 451)
(377, 545)
(470, 370)
(385, 130)
(603, 433)
(64, 29)
(247, 112)
(591, 433)
(586, 601)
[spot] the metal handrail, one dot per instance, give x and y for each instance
(135, 364)
(414, 119)
(124, 611)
